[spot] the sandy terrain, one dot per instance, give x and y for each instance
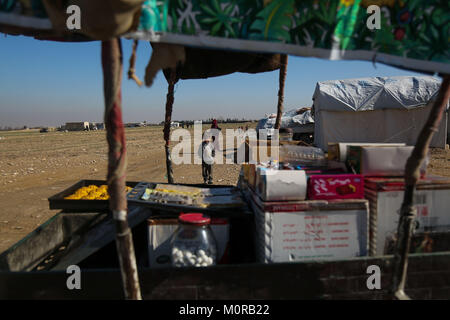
(35, 166)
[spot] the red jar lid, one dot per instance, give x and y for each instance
(197, 219)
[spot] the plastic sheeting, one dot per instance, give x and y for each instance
(378, 110)
(375, 93)
(289, 119)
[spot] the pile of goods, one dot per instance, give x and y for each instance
(309, 205)
(92, 192)
(306, 207)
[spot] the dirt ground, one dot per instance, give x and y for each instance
(35, 166)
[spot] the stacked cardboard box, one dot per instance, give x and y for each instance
(383, 165)
(385, 195)
(294, 194)
(309, 230)
(302, 213)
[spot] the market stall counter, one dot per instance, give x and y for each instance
(36, 267)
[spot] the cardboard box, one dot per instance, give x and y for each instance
(160, 232)
(277, 185)
(385, 195)
(310, 230)
(380, 161)
(338, 151)
(339, 186)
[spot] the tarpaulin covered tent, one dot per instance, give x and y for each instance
(391, 109)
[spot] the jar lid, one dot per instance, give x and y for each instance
(198, 219)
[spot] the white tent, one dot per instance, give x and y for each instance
(378, 109)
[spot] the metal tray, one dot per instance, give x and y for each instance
(134, 198)
(58, 202)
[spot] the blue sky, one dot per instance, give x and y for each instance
(44, 83)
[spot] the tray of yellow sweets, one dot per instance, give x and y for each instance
(85, 195)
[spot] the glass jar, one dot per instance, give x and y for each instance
(193, 243)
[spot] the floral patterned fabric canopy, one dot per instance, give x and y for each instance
(412, 34)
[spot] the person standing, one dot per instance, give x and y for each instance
(208, 153)
(214, 125)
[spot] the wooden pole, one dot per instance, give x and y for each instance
(412, 175)
(167, 121)
(282, 78)
(132, 69)
(117, 163)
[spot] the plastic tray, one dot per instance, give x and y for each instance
(58, 202)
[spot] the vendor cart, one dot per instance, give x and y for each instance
(35, 267)
(267, 27)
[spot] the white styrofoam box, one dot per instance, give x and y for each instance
(381, 160)
(433, 212)
(274, 185)
(160, 234)
(324, 231)
(338, 150)
(387, 160)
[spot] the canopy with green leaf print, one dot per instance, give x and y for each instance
(413, 34)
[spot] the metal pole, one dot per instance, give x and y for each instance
(117, 163)
(412, 175)
(282, 78)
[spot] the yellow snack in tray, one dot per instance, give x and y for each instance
(92, 192)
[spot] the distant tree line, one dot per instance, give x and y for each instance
(9, 128)
(145, 123)
(210, 120)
